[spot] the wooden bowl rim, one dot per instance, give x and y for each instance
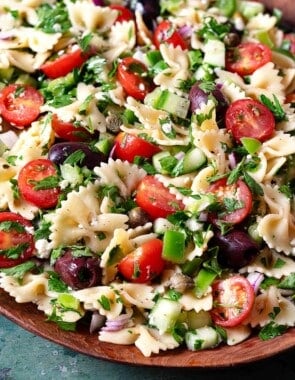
(253, 349)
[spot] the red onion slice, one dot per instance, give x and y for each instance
(255, 279)
(97, 320)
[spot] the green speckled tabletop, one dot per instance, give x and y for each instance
(24, 356)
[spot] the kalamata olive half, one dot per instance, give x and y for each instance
(59, 152)
(78, 272)
(236, 248)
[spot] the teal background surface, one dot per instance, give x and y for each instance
(24, 356)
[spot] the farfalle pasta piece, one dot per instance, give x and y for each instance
(125, 336)
(78, 218)
(262, 21)
(119, 246)
(122, 38)
(32, 143)
(189, 301)
(151, 342)
(93, 299)
(287, 125)
(264, 306)
(23, 60)
(122, 174)
(212, 144)
(28, 37)
(91, 116)
(277, 228)
(271, 263)
(86, 16)
(266, 81)
(238, 334)
(150, 119)
(206, 118)
(232, 91)
(177, 70)
(32, 287)
(139, 295)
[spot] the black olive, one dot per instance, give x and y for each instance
(78, 272)
(137, 217)
(236, 248)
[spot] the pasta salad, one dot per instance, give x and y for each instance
(147, 168)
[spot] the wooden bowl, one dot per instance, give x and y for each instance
(253, 349)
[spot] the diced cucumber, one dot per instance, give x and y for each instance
(250, 9)
(214, 53)
(193, 160)
(164, 314)
(167, 101)
(157, 158)
(202, 338)
(68, 301)
(72, 174)
(26, 79)
(195, 320)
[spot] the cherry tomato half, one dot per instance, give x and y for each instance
(233, 299)
(132, 75)
(249, 118)
(20, 104)
(125, 14)
(143, 264)
(291, 38)
(239, 198)
(247, 57)
(166, 33)
(16, 242)
(128, 146)
(68, 131)
(64, 64)
(155, 199)
(44, 195)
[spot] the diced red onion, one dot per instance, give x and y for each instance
(98, 2)
(7, 35)
(97, 320)
(185, 31)
(203, 217)
(116, 324)
(232, 160)
(255, 279)
(179, 155)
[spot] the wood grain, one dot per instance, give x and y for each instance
(254, 349)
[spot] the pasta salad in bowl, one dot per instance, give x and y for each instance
(147, 172)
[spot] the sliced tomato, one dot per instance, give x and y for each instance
(37, 183)
(143, 264)
(247, 57)
(249, 118)
(155, 199)
(68, 131)
(133, 77)
(125, 14)
(239, 198)
(166, 33)
(16, 242)
(128, 146)
(233, 299)
(20, 104)
(290, 37)
(64, 64)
